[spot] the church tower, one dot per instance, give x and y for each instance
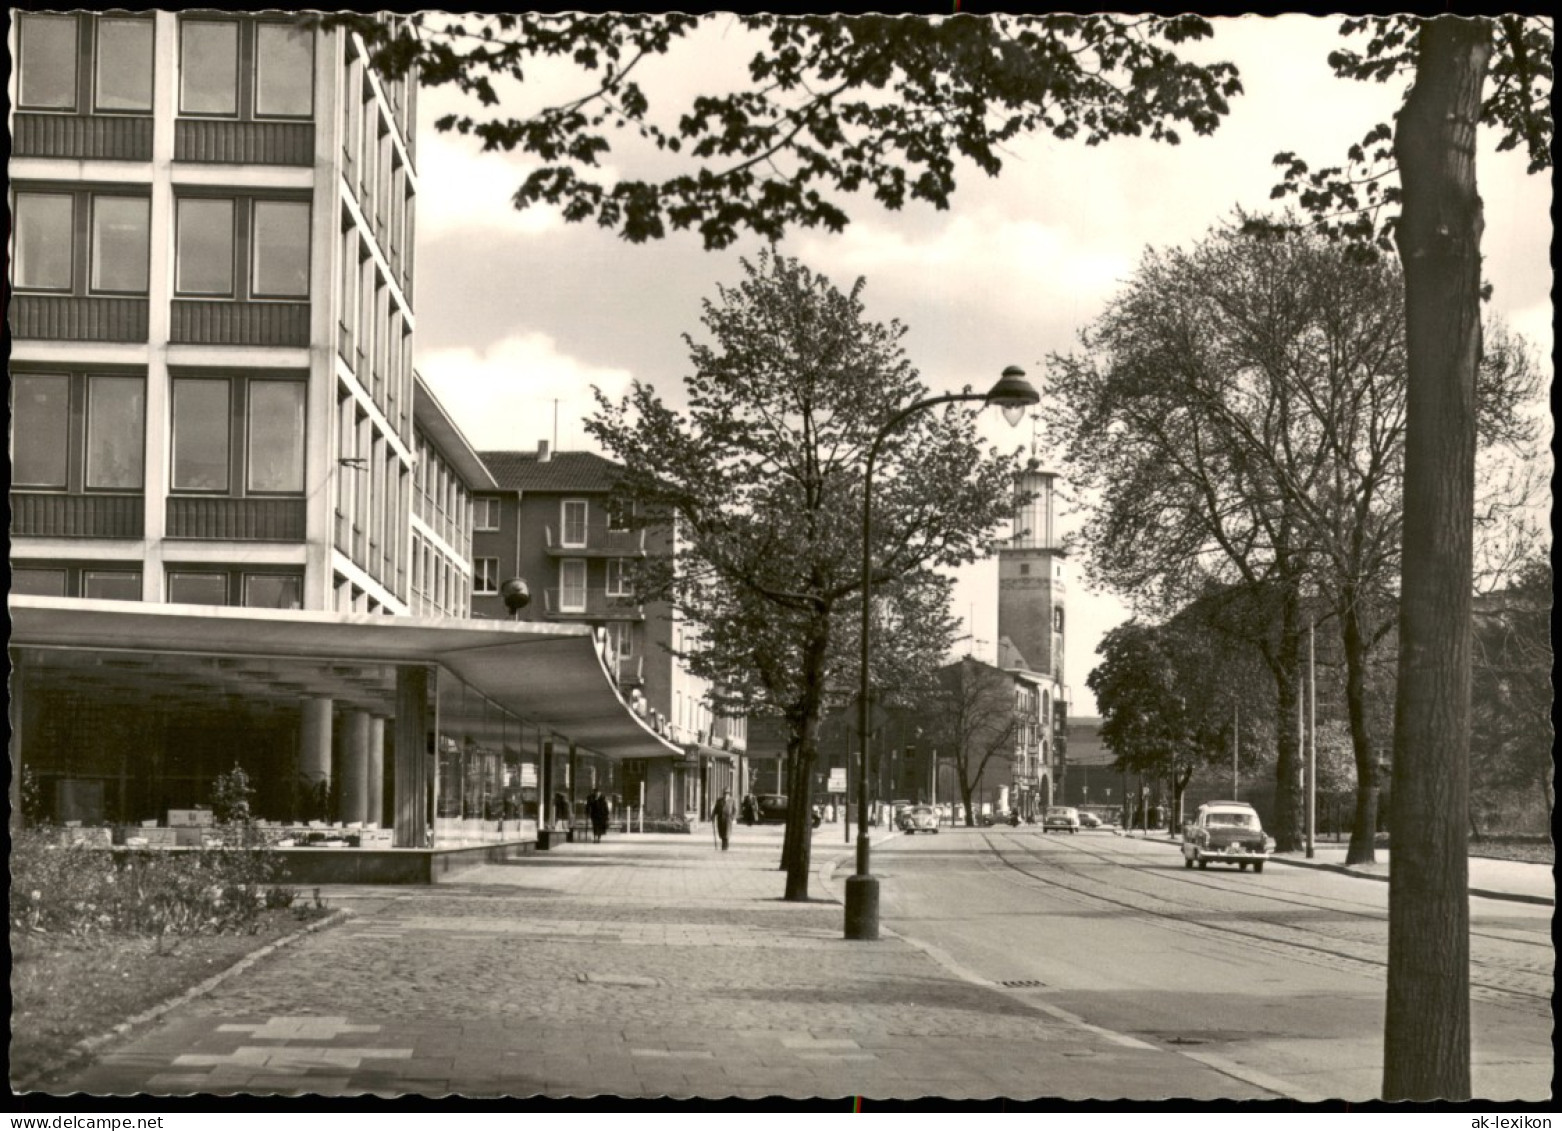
(1032, 589)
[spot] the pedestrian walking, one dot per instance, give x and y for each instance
(560, 810)
(724, 814)
(596, 810)
(750, 809)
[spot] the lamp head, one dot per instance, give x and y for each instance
(1013, 394)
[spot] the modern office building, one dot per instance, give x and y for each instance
(241, 524)
(552, 525)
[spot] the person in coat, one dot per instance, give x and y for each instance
(596, 809)
(725, 814)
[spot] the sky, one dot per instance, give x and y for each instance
(519, 313)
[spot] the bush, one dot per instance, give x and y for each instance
(79, 891)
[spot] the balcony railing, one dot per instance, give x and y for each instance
(590, 604)
(215, 141)
(78, 318)
(599, 540)
(58, 515)
(236, 519)
(83, 136)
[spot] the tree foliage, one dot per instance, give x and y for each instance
(832, 105)
(762, 480)
(970, 714)
(1241, 410)
(1357, 200)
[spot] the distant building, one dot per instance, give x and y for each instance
(551, 524)
(1032, 602)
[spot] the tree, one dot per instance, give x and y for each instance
(1244, 418)
(1167, 695)
(970, 713)
(762, 479)
(1511, 733)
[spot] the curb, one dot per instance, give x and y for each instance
(1345, 870)
(88, 1045)
(1484, 893)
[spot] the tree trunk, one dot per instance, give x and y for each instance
(1426, 1038)
(1288, 817)
(799, 808)
(1364, 833)
(788, 841)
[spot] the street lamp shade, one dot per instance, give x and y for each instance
(1013, 394)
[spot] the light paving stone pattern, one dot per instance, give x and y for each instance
(640, 967)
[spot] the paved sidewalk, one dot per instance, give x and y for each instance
(645, 966)
(1489, 878)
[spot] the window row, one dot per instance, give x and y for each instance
(439, 585)
(440, 498)
(184, 585)
(374, 338)
(234, 68)
(99, 242)
(372, 488)
(87, 432)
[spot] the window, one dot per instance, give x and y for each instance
(619, 513)
(485, 575)
(284, 71)
(48, 62)
(111, 585)
(276, 436)
(486, 514)
(108, 454)
(622, 634)
(281, 260)
(201, 435)
(222, 241)
(116, 416)
(114, 253)
(120, 245)
(123, 75)
(197, 588)
(572, 586)
(40, 407)
(1057, 620)
(238, 430)
(33, 582)
(618, 579)
(245, 69)
(273, 591)
(573, 522)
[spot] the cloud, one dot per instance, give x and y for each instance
(504, 397)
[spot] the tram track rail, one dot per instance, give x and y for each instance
(1524, 978)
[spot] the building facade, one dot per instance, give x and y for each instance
(1032, 627)
(216, 422)
(552, 525)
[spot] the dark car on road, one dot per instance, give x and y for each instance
(771, 809)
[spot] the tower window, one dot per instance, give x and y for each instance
(1024, 569)
(1057, 620)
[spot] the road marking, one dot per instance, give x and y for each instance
(295, 1028)
(1254, 1076)
(664, 1054)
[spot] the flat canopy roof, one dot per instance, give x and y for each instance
(550, 675)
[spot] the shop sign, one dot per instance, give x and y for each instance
(837, 781)
(528, 775)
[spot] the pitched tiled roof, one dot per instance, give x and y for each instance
(565, 471)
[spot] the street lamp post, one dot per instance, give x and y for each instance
(1013, 394)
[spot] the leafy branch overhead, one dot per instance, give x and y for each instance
(1357, 200)
(831, 105)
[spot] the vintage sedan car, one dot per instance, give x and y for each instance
(1225, 832)
(1064, 818)
(1088, 820)
(770, 808)
(919, 819)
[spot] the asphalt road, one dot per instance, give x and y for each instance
(1276, 979)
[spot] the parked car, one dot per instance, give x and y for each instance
(771, 808)
(1064, 818)
(919, 819)
(1225, 832)
(1088, 820)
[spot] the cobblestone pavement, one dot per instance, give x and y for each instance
(645, 966)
